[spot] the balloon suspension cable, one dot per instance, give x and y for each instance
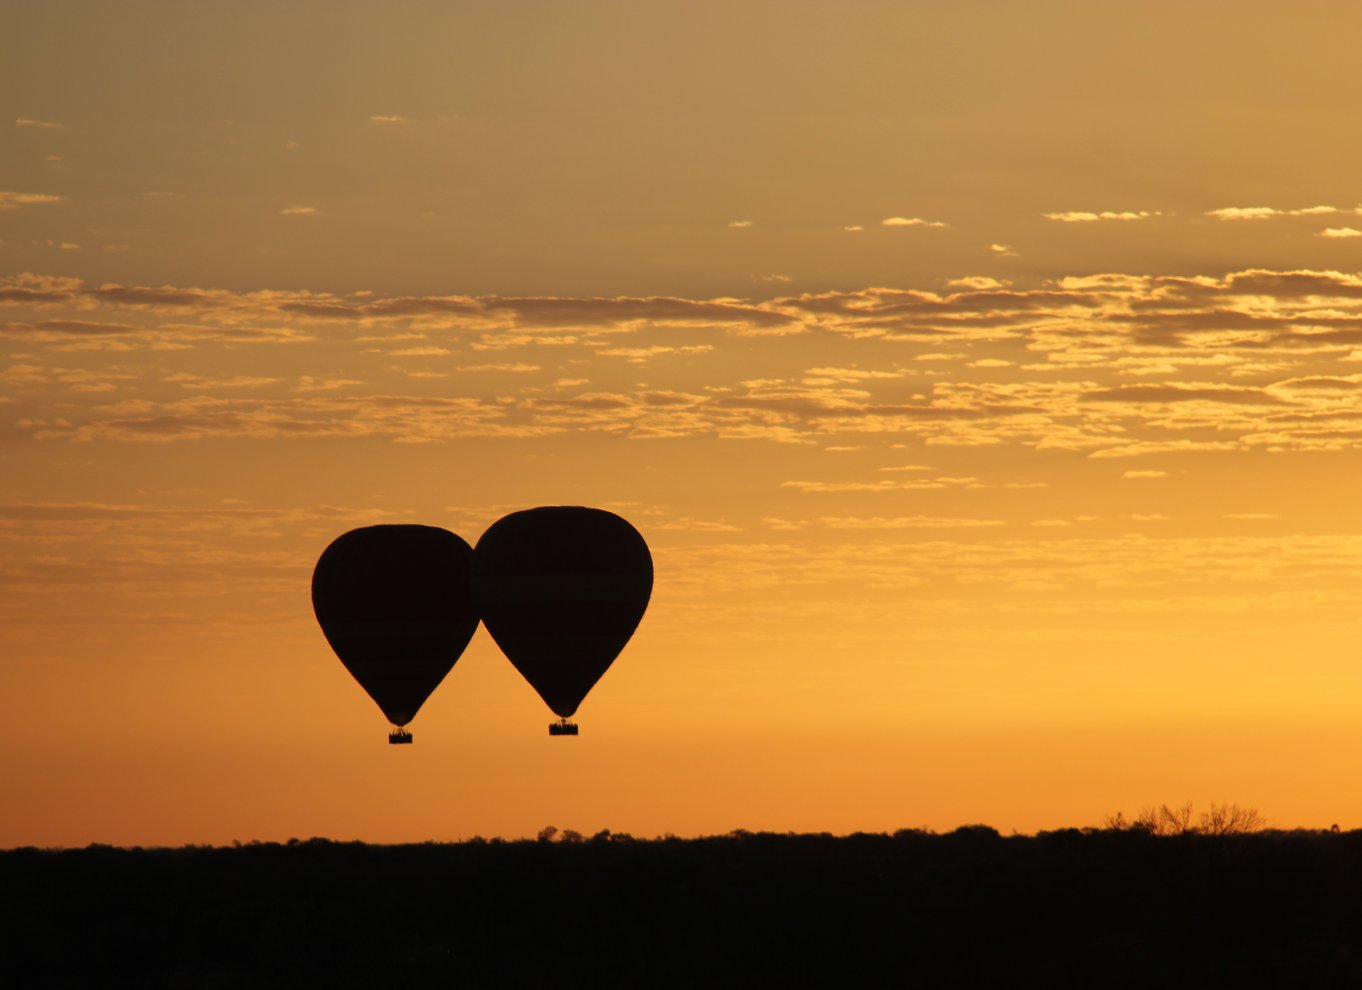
(399, 737)
(562, 728)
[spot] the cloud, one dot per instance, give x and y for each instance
(685, 524)
(230, 382)
(1172, 392)
(492, 315)
(909, 222)
(298, 211)
(309, 383)
(1144, 474)
(975, 282)
(826, 375)
(853, 227)
(1142, 448)
(881, 522)
(885, 484)
(1268, 212)
(409, 419)
(519, 368)
(640, 354)
(44, 328)
(1244, 213)
(740, 224)
(426, 351)
(1084, 217)
(10, 200)
(1003, 250)
(1340, 232)
(1106, 365)
(1289, 285)
(630, 313)
(398, 120)
(44, 124)
(28, 288)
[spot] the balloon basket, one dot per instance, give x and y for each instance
(562, 728)
(399, 737)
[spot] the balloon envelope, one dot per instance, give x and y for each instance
(561, 589)
(396, 605)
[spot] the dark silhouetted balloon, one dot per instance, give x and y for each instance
(561, 589)
(396, 605)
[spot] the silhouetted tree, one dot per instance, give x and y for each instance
(1169, 821)
(1230, 819)
(1221, 819)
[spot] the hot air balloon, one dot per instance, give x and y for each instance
(396, 605)
(561, 589)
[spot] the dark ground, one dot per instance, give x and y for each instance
(967, 908)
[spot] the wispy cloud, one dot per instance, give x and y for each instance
(210, 383)
(298, 211)
(1107, 365)
(394, 119)
(909, 222)
(426, 351)
(740, 224)
(975, 282)
(44, 124)
(882, 522)
(1080, 216)
(1268, 212)
(13, 200)
(515, 367)
(641, 354)
(883, 485)
(1340, 232)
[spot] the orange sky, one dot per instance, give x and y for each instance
(985, 379)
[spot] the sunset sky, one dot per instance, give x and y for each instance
(986, 378)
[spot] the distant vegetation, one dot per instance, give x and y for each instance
(1218, 902)
(1221, 819)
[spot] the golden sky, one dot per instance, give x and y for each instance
(986, 379)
